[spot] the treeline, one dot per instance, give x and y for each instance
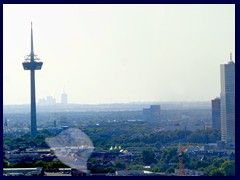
(157, 139)
(164, 137)
(127, 135)
(45, 165)
(26, 141)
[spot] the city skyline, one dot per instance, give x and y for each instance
(118, 53)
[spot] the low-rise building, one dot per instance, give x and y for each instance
(189, 172)
(138, 173)
(38, 171)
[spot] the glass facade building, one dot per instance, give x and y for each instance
(228, 103)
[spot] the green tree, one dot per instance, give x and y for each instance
(216, 172)
(169, 156)
(41, 164)
(5, 164)
(120, 165)
(218, 162)
(156, 169)
(22, 165)
(228, 168)
(148, 157)
(32, 144)
(136, 167)
(201, 164)
(57, 164)
(170, 170)
(110, 169)
(209, 169)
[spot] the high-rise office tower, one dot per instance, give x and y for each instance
(228, 103)
(216, 120)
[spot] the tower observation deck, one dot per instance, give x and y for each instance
(32, 63)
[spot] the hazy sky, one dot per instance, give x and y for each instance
(118, 53)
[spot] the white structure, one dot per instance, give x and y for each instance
(48, 101)
(64, 97)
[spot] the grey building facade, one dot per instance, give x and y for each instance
(152, 113)
(216, 112)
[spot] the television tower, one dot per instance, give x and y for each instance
(32, 63)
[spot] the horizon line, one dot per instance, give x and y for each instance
(137, 102)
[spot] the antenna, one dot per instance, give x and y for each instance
(230, 56)
(32, 53)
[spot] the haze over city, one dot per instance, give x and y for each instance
(118, 53)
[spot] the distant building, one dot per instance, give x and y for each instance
(220, 145)
(5, 123)
(152, 113)
(155, 112)
(65, 127)
(216, 120)
(75, 172)
(51, 100)
(38, 171)
(228, 103)
(137, 173)
(64, 98)
(189, 172)
(146, 114)
(48, 101)
(55, 123)
(42, 101)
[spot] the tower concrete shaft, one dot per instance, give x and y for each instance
(33, 106)
(32, 63)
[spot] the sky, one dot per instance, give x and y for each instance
(117, 53)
